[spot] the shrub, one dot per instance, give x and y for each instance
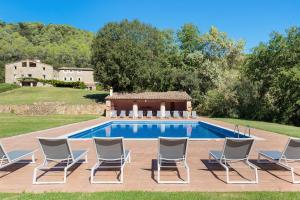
(6, 87)
(57, 83)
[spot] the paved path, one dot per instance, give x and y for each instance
(140, 174)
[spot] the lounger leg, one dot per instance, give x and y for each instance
(129, 158)
(122, 173)
(85, 159)
(65, 175)
(34, 176)
(32, 158)
(93, 172)
(291, 169)
(187, 172)
(158, 172)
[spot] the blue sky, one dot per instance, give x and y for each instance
(251, 20)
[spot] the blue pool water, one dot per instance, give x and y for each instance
(155, 129)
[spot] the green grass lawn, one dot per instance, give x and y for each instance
(28, 95)
(6, 87)
(273, 127)
(154, 195)
(11, 124)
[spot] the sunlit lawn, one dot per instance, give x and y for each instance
(272, 127)
(11, 124)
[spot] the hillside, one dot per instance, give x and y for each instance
(58, 45)
(27, 95)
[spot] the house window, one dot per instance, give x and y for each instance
(24, 64)
(78, 79)
(32, 64)
(15, 67)
(44, 68)
(65, 78)
(29, 75)
(44, 76)
(71, 78)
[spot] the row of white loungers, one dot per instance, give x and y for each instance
(172, 152)
(176, 114)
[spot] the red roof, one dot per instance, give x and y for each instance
(170, 95)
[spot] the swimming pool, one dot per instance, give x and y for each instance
(154, 129)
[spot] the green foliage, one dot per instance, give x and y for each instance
(211, 67)
(6, 87)
(128, 55)
(56, 83)
(58, 45)
(274, 68)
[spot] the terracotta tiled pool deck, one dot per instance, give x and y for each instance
(140, 174)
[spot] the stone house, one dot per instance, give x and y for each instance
(36, 69)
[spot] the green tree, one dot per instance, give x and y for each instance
(128, 55)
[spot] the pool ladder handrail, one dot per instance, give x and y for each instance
(237, 130)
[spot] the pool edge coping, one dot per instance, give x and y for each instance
(140, 139)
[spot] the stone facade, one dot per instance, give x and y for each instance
(36, 69)
(48, 108)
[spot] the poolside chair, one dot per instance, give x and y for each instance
(167, 114)
(176, 114)
(130, 115)
(16, 156)
(158, 114)
(140, 114)
(58, 151)
(149, 114)
(194, 114)
(113, 114)
(234, 150)
(171, 153)
(110, 154)
(185, 114)
(291, 153)
(122, 113)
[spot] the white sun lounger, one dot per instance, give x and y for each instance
(110, 154)
(185, 114)
(235, 150)
(176, 114)
(140, 114)
(149, 114)
(15, 156)
(113, 114)
(58, 151)
(168, 114)
(123, 113)
(172, 154)
(130, 115)
(291, 153)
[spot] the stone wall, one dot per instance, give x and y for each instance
(48, 108)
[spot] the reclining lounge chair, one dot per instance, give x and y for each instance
(176, 114)
(16, 156)
(171, 153)
(167, 114)
(149, 114)
(113, 114)
(235, 150)
(122, 114)
(185, 114)
(140, 114)
(58, 151)
(110, 154)
(291, 153)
